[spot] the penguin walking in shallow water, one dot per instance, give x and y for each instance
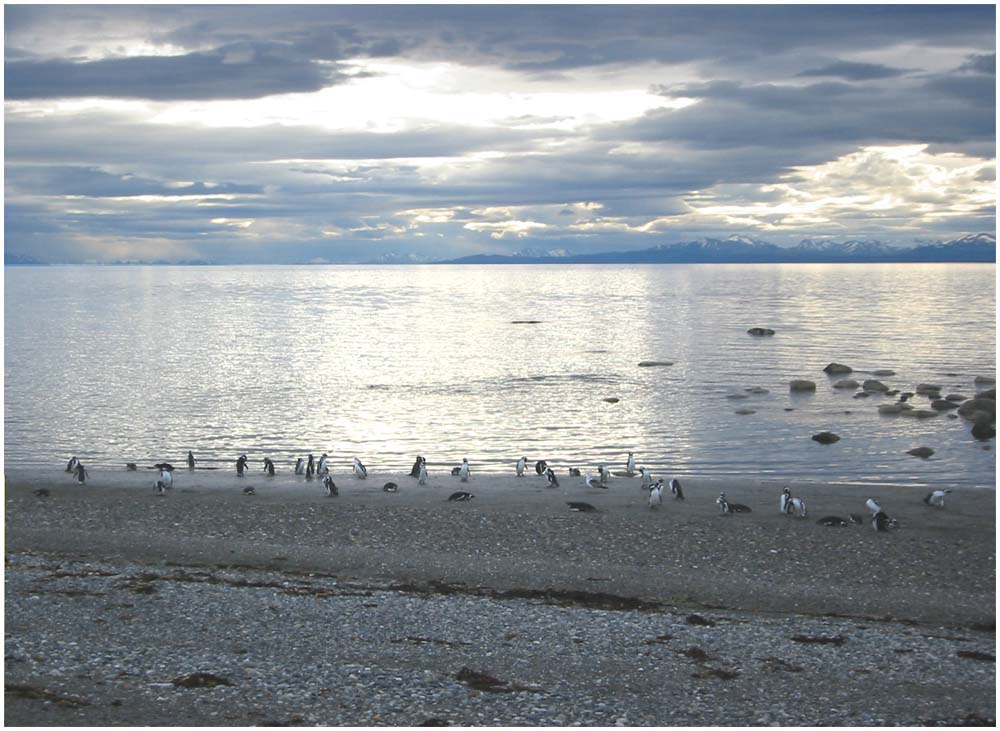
(630, 464)
(71, 465)
(551, 475)
(300, 466)
(675, 489)
(464, 471)
(521, 464)
(330, 486)
(190, 460)
(269, 466)
(935, 499)
(360, 471)
(81, 473)
(241, 465)
(656, 495)
(422, 474)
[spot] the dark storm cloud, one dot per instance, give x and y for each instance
(853, 71)
(241, 71)
(95, 183)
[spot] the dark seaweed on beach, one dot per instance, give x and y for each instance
(199, 680)
(836, 640)
(699, 621)
(34, 693)
(974, 655)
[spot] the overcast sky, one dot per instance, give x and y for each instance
(345, 132)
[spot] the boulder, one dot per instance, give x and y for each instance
(883, 372)
(825, 437)
(920, 413)
(837, 369)
(654, 363)
(745, 412)
(872, 385)
(846, 383)
(956, 397)
(890, 408)
(991, 394)
(760, 332)
(862, 394)
(984, 379)
(612, 400)
(928, 388)
(922, 452)
(943, 404)
(983, 431)
(801, 385)
(978, 404)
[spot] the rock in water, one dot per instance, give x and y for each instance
(800, 384)
(872, 385)
(760, 332)
(825, 437)
(653, 363)
(846, 383)
(922, 452)
(943, 404)
(838, 369)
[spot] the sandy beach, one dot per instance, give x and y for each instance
(905, 604)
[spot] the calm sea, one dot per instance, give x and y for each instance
(141, 364)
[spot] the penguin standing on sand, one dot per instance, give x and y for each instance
(190, 460)
(322, 469)
(464, 471)
(166, 481)
(592, 481)
(604, 473)
(331, 486)
(675, 488)
(797, 507)
(71, 465)
(269, 466)
(630, 464)
(656, 495)
(422, 473)
(553, 482)
(574, 471)
(300, 466)
(81, 472)
(310, 467)
(540, 467)
(359, 469)
(415, 470)
(521, 464)
(241, 465)
(786, 496)
(873, 505)
(647, 478)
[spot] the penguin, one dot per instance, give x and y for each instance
(647, 478)
(190, 460)
(656, 495)
(786, 496)
(131, 466)
(873, 505)
(415, 470)
(553, 482)
(81, 472)
(882, 522)
(390, 487)
(675, 488)
(42, 492)
(630, 464)
(166, 481)
(71, 465)
(241, 465)
(521, 464)
(463, 471)
(935, 499)
(322, 468)
(581, 507)
(460, 496)
(797, 507)
(722, 503)
(300, 466)
(331, 486)
(359, 469)
(160, 488)
(832, 521)
(249, 491)
(855, 518)
(422, 474)
(164, 466)
(540, 467)
(269, 466)
(574, 472)
(604, 473)
(594, 482)
(455, 471)
(310, 467)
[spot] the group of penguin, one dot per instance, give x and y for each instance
(788, 503)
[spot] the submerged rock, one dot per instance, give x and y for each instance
(928, 388)
(922, 452)
(883, 372)
(838, 369)
(612, 400)
(653, 363)
(872, 385)
(846, 383)
(943, 404)
(757, 390)
(983, 431)
(745, 412)
(970, 407)
(760, 332)
(984, 379)
(825, 437)
(956, 397)
(801, 384)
